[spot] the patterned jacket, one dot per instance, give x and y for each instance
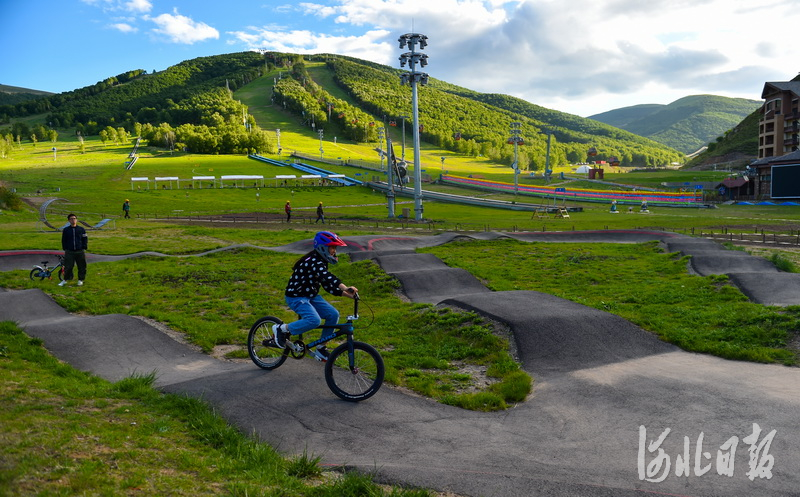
(309, 274)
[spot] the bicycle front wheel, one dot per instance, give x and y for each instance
(362, 380)
(261, 344)
(61, 273)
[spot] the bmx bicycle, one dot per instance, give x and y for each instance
(45, 271)
(354, 370)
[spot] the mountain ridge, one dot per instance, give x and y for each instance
(687, 124)
(453, 118)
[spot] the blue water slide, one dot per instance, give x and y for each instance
(309, 169)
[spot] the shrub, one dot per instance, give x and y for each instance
(9, 199)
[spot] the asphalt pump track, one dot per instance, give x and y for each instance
(614, 411)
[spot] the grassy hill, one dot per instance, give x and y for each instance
(363, 95)
(686, 124)
(348, 98)
(12, 95)
(735, 148)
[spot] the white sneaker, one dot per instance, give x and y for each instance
(280, 336)
(63, 283)
(80, 282)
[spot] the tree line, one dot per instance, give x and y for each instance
(188, 106)
(458, 119)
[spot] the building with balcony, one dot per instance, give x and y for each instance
(780, 122)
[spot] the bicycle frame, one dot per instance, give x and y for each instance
(354, 370)
(341, 329)
(47, 271)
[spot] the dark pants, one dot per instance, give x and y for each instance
(70, 259)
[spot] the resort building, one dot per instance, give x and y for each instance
(779, 124)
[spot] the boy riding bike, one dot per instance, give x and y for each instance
(302, 292)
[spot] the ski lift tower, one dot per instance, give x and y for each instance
(516, 140)
(413, 77)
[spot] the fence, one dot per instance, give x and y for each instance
(757, 237)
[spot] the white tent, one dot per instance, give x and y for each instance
(583, 169)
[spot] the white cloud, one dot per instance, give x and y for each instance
(118, 5)
(370, 45)
(124, 27)
(139, 6)
(583, 56)
(182, 29)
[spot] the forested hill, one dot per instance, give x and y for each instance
(465, 121)
(10, 95)
(190, 106)
(686, 124)
(186, 106)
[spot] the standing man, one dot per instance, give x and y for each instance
(288, 209)
(126, 208)
(74, 242)
(320, 214)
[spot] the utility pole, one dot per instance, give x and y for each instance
(413, 78)
(517, 140)
(549, 133)
(403, 151)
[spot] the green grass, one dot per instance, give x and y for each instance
(646, 287)
(214, 299)
(65, 432)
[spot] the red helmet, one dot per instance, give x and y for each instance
(327, 239)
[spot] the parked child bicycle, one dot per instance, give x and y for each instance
(302, 292)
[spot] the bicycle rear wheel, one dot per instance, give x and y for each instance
(363, 380)
(261, 344)
(38, 273)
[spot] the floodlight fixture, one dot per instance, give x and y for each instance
(412, 58)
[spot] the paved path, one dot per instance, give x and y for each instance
(599, 381)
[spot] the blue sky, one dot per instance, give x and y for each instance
(576, 56)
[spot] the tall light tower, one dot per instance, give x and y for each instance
(413, 77)
(321, 152)
(516, 140)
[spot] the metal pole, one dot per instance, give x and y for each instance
(417, 171)
(414, 78)
(547, 158)
(390, 177)
(515, 131)
(403, 152)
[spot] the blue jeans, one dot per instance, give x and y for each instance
(312, 312)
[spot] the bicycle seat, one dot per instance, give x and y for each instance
(44, 263)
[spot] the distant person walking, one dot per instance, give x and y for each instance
(320, 214)
(74, 243)
(126, 208)
(288, 209)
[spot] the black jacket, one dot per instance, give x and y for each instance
(309, 274)
(74, 239)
